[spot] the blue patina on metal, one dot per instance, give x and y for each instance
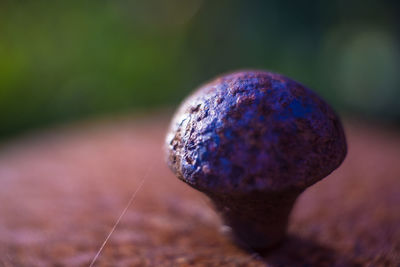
(254, 130)
(253, 141)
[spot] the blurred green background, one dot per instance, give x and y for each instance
(67, 60)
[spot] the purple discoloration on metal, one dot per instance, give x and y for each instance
(253, 141)
(254, 131)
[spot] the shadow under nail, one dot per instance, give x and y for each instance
(297, 251)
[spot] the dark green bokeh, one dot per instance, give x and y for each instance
(64, 60)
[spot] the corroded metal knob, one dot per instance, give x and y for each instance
(252, 141)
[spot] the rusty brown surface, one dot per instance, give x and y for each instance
(62, 190)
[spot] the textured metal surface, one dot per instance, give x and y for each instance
(254, 131)
(253, 141)
(62, 190)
